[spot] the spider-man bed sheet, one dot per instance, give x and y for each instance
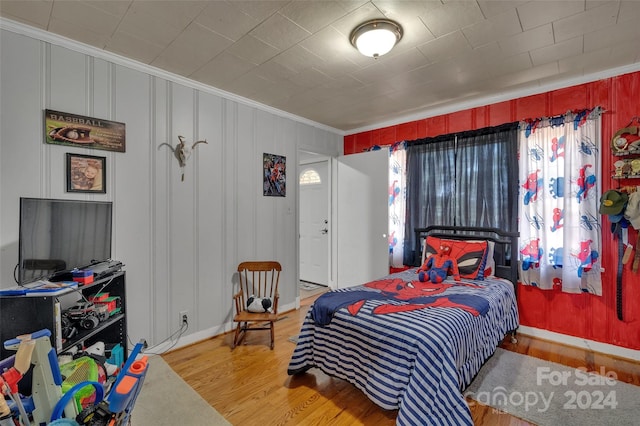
(409, 345)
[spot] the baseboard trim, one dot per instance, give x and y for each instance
(201, 335)
(605, 348)
(187, 340)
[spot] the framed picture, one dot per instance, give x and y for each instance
(86, 173)
(63, 128)
(274, 181)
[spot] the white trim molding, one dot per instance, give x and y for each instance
(199, 336)
(58, 40)
(507, 95)
(581, 343)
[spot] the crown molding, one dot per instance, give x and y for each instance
(96, 52)
(48, 37)
(504, 96)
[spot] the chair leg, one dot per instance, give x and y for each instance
(237, 337)
(241, 331)
(272, 335)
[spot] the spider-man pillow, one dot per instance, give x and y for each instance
(470, 255)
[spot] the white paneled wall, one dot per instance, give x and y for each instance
(180, 240)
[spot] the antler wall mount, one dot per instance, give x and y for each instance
(182, 151)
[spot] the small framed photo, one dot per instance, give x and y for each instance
(86, 173)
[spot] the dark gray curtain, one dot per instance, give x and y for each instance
(487, 179)
(465, 179)
(430, 188)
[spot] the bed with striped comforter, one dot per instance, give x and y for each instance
(408, 345)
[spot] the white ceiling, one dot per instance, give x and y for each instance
(295, 56)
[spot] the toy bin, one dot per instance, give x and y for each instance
(81, 370)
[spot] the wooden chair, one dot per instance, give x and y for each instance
(260, 280)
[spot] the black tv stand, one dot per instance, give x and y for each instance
(27, 314)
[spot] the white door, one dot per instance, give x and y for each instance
(314, 222)
(362, 218)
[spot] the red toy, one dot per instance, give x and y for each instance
(438, 266)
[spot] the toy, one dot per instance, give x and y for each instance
(46, 379)
(84, 368)
(116, 406)
(9, 379)
(438, 266)
(47, 404)
(257, 304)
(87, 314)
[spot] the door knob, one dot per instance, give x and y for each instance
(324, 231)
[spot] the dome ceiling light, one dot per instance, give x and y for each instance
(376, 37)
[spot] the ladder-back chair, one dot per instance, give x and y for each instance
(256, 302)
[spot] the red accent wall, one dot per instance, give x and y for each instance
(581, 315)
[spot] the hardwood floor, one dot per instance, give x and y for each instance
(250, 385)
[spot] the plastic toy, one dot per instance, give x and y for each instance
(9, 381)
(47, 405)
(112, 303)
(84, 368)
(115, 409)
(87, 314)
(46, 379)
(438, 266)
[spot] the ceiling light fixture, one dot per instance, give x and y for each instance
(376, 37)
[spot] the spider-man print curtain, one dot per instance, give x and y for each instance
(559, 223)
(397, 202)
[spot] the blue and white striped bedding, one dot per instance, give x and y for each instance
(417, 361)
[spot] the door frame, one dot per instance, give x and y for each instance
(327, 204)
(314, 157)
(333, 215)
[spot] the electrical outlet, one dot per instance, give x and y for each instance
(184, 318)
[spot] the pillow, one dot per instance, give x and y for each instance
(489, 268)
(471, 255)
(259, 305)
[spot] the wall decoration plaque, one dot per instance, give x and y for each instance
(63, 128)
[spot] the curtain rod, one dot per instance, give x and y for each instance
(578, 116)
(466, 133)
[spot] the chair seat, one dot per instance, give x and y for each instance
(255, 316)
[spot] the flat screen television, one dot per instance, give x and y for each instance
(57, 236)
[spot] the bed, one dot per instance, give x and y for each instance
(415, 346)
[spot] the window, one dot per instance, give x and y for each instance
(310, 177)
(465, 179)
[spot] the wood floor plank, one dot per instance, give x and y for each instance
(250, 386)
